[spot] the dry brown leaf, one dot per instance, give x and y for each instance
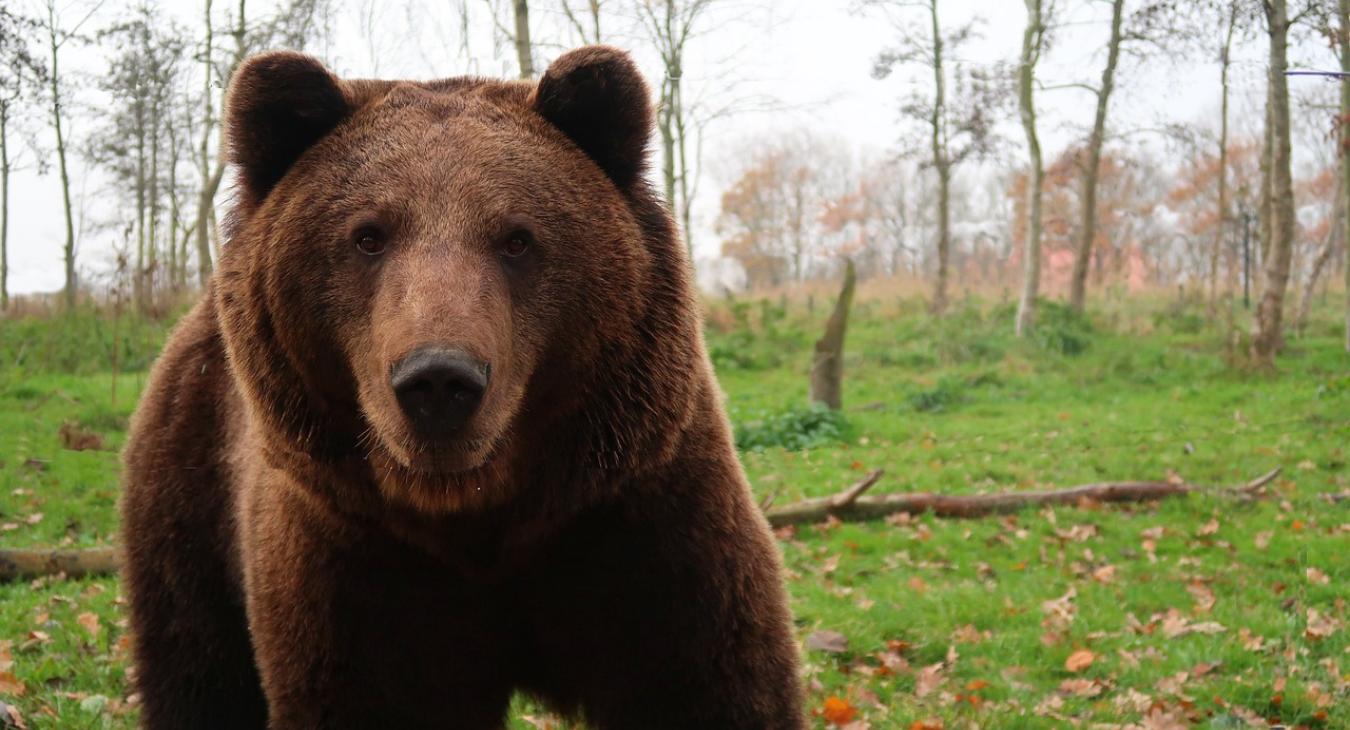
(1317, 577)
(1162, 719)
(1203, 595)
(928, 679)
(11, 685)
(89, 621)
(78, 438)
(1081, 687)
(1080, 660)
(1262, 539)
(1320, 625)
(1209, 528)
(825, 640)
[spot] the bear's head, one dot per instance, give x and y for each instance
(461, 285)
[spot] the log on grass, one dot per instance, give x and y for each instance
(17, 564)
(851, 505)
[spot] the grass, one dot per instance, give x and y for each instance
(1204, 610)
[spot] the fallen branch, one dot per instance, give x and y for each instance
(32, 563)
(849, 505)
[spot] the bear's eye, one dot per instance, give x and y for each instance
(516, 244)
(370, 242)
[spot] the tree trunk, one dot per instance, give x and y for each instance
(1267, 339)
(1318, 265)
(1026, 79)
(4, 206)
(1225, 61)
(942, 165)
(827, 366)
(68, 250)
(524, 54)
(206, 195)
(1344, 42)
(850, 505)
(1078, 285)
(152, 237)
(1263, 211)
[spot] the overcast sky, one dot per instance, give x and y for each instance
(808, 62)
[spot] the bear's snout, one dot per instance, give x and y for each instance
(439, 389)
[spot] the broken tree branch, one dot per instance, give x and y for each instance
(850, 505)
(34, 562)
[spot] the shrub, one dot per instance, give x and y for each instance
(1061, 330)
(795, 428)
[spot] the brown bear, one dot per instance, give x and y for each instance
(443, 429)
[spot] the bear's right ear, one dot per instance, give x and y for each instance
(596, 96)
(278, 105)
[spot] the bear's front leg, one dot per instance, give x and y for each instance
(670, 613)
(352, 630)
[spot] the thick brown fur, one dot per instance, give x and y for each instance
(297, 557)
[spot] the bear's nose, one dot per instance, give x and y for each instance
(438, 388)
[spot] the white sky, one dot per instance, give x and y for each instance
(813, 58)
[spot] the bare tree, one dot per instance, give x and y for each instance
(524, 51)
(518, 33)
(1343, 44)
(294, 25)
(670, 25)
(1088, 227)
(57, 37)
(589, 29)
(1033, 44)
(1267, 325)
(22, 74)
(959, 128)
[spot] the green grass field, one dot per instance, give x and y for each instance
(1207, 610)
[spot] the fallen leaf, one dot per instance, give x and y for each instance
(89, 621)
(1317, 577)
(1209, 528)
(1081, 687)
(78, 438)
(1262, 539)
(1079, 660)
(1204, 597)
(837, 711)
(928, 679)
(825, 640)
(1320, 625)
(11, 685)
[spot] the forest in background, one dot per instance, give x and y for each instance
(967, 199)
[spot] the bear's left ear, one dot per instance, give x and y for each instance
(278, 105)
(596, 96)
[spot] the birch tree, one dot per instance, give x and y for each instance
(1088, 225)
(957, 129)
(22, 74)
(57, 37)
(1267, 337)
(669, 26)
(1343, 44)
(1033, 44)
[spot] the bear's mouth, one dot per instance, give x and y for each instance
(449, 458)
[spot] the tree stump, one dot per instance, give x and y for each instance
(827, 367)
